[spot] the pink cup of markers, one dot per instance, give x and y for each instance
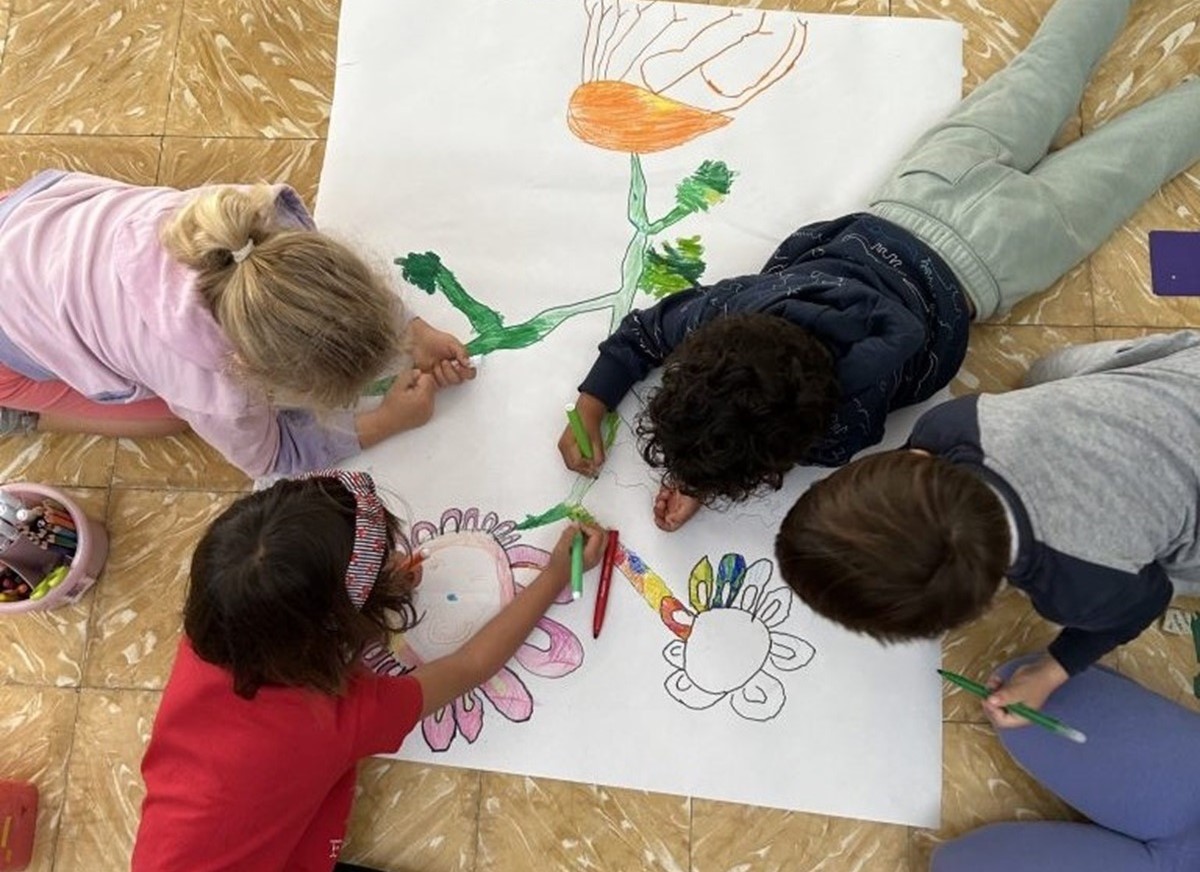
(50, 551)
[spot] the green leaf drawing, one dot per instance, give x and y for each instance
(428, 273)
(674, 268)
(421, 270)
(706, 187)
(561, 512)
(581, 515)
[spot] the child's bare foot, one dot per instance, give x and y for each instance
(672, 509)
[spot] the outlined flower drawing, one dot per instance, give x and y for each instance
(656, 75)
(469, 573)
(729, 643)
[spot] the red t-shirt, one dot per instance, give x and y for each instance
(262, 784)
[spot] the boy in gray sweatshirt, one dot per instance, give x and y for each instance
(1083, 490)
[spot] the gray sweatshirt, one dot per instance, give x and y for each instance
(1099, 461)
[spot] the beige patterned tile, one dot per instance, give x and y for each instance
(732, 838)
(408, 816)
(1163, 662)
(981, 785)
(1159, 46)
(40, 721)
(47, 647)
(254, 68)
(104, 781)
(4, 16)
(537, 823)
(88, 66)
(185, 462)
(1008, 629)
(132, 159)
(1121, 268)
(189, 162)
(70, 460)
(136, 620)
(999, 356)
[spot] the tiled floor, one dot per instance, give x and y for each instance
(185, 91)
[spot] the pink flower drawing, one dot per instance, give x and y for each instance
(470, 570)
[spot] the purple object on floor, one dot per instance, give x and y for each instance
(1175, 263)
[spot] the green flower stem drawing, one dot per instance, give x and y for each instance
(572, 507)
(642, 268)
(704, 188)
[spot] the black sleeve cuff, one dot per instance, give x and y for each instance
(607, 381)
(1076, 650)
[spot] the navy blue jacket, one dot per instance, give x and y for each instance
(885, 305)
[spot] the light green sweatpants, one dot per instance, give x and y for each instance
(980, 189)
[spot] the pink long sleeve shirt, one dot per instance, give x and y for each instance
(91, 297)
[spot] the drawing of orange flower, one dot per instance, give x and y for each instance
(655, 75)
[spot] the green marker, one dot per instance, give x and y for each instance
(1054, 725)
(580, 432)
(577, 565)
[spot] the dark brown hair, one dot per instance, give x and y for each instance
(742, 401)
(268, 599)
(898, 545)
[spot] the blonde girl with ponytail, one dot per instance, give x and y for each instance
(144, 311)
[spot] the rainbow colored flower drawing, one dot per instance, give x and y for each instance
(470, 573)
(730, 639)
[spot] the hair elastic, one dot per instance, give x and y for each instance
(243, 252)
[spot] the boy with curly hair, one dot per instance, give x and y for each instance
(855, 317)
(1083, 490)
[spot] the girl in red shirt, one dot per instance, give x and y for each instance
(269, 707)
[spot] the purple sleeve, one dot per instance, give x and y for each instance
(291, 208)
(308, 442)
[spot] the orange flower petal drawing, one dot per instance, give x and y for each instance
(624, 117)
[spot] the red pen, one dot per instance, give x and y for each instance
(606, 568)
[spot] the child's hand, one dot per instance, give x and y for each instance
(409, 402)
(440, 354)
(1032, 685)
(447, 373)
(593, 549)
(672, 509)
(591, 412)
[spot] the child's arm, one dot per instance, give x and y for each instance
(483, 655)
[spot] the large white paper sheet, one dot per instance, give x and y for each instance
(463, 142)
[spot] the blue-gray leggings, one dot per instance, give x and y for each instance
(1137, 779)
